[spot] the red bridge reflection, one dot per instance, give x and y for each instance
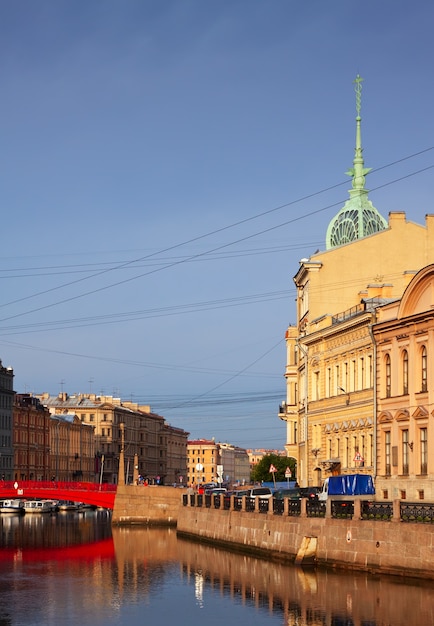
(103, 550)
(89, 493)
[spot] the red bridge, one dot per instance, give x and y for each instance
(89, 493)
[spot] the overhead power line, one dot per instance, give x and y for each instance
(198, 238)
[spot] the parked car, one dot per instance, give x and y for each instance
(310, 492)
(292, 494)
(259, 492)
(215, 491)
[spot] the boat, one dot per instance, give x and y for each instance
(67, 505)
(12, 506)
(37, 506)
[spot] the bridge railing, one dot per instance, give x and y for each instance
(57, 484)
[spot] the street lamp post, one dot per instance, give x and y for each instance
(136, 470)
(121, 473)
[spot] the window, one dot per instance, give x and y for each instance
(388, 376)
(316, 386)
(405, 372)
(424, 369)
(405, 447)
(387, 451)
(423, 450)
(329, 382)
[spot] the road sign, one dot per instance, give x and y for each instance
(272, 469)
(358, 457)
(288, 472)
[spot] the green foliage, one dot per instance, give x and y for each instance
(261, 471)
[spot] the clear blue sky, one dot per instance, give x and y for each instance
(144, 146)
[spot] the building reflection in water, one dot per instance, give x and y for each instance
(303, 596)
(128, 566)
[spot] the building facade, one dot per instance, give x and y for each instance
(72, 449)
(31, 439)
(404, 337)
(211, 462)
(176, 445)
(6, 420)
(143, 436)
(331, 371)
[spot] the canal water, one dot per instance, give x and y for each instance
(74, 569)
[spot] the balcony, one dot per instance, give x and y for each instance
(286, 410)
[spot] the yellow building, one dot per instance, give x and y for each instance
(211, 462)
(405, 342)
(330, 407)
(202, 461)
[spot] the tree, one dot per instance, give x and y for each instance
(261, 471)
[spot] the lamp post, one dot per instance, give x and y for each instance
(121, 473)
(136, 470)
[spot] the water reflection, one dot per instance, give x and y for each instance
(78, 567)
(302, 597)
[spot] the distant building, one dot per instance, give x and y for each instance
(208, 461)
(6, 412)
(176, 455)
(145, 437)
(255, 456)
(31, 439)
(72, 446)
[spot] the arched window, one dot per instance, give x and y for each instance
(388, 376)
(405, 372)
(424, 361)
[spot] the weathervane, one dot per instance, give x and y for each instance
(358, 88)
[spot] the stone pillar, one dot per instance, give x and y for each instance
(303, 503)
(396, 511)
(357, 509)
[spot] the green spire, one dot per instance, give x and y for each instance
(358, 218)
(358, 172)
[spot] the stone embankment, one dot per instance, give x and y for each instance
(392, 547)
(151, 505)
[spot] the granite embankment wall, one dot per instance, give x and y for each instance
(150, 505)
(393, 547)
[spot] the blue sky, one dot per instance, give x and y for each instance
(162, 171)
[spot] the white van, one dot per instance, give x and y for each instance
(260, 492)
